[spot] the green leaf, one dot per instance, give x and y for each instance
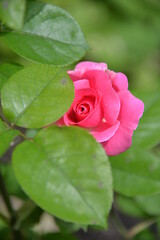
(136, 173)
(150, 204)
(50, 35)
(29, 215)
(37, 96)
(6, 71)
(147, 134)
(12, 13)
(7, 135)
(2, 223)
(31, 234)
(31, 133)
(13, 188)
(5, 233)
(129, 206)
(66, 227)
(158, 227)
(146, 234)
(66, 172)
(57, 236)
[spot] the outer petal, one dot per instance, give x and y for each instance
(82, 67)
(60, 122)
(91, 65)
(81, 84)
(120, 142)
(131, 110)
(98, 80)
(104, 132)
(75, 75)
(111, 74)
(120, 82)
(111, 104)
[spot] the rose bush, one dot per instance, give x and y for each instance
(104, 106)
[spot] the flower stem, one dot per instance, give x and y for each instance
(139, 228)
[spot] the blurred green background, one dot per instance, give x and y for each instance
(123, 33)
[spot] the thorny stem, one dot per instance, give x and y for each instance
(13, 217)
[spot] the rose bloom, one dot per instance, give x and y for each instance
(103, 105)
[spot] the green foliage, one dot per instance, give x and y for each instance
(68, 175)
(147, 135)
(12, 13)
(5, 233)
(13, 188)
(67, 228)
(136, 173)
(150, 204)
(37, 96)
(141, 206)
(6, 135)
(129, 206)
(6, 71)
(30, 133)
(58, 236)
(50, 35)
(29, 215)
(4, 230)
(146, 235)
(158, 227)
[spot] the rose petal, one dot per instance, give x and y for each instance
(120, 142)
(120, 82)
(86, 92)
(131, 110)
(92, 120)
(94, 117)
(82, 67)
(81, 84)
(88, 104)
(86, 65)
(111, 105)
(111, 74)
(60, 122)
(100, 80)
(105, 131)
(75, 75)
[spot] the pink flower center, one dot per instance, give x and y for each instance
(82, 109)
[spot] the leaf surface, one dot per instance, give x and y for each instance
(67, 173)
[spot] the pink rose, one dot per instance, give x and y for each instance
(104, 106)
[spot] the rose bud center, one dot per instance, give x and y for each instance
(82, 109)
